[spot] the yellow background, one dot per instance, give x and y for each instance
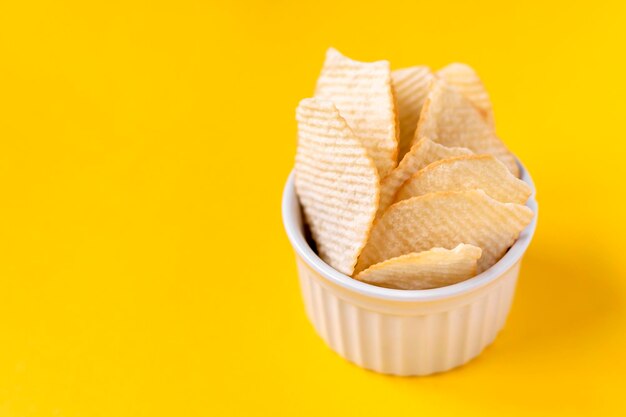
(144, 270)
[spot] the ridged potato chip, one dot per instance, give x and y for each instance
(446, 219)
(423, 153)
(464, 78)
(433, 268)
(411, 88)
(450, 119)
(336, 182)
(362, 93)
(467, 172)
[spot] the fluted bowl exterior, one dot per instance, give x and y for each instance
(402, 332)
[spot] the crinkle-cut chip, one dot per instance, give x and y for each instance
(450, 119)
(423, 153)
(446, 219)
(336, 182)
(411, 87)
(464, 78)
(433, 268)
(362, 93)
(467, 172)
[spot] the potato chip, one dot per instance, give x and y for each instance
(433, 268)
(450, 119)
(467, 172)
(363, 95)
(464, 78)
(421, 154)
(336, 182)
(411, 88)
(446, 219)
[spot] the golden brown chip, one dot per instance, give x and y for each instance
(424, 152)
(467, 172)
(450, 119)
(433, 268)
(446, 219)
(464, 78)
(363, 95)
(411, 87)
(336, 182)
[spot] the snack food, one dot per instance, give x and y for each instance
(464, 78)
(423, 153)
(446, 219)
(450, 209)
(466, 172)
(336, 182)
(411, 87)
(363, 95)
(433, 268)
(450, 119)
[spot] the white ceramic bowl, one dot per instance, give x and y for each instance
(404, 332)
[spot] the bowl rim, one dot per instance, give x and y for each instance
(293, 223)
